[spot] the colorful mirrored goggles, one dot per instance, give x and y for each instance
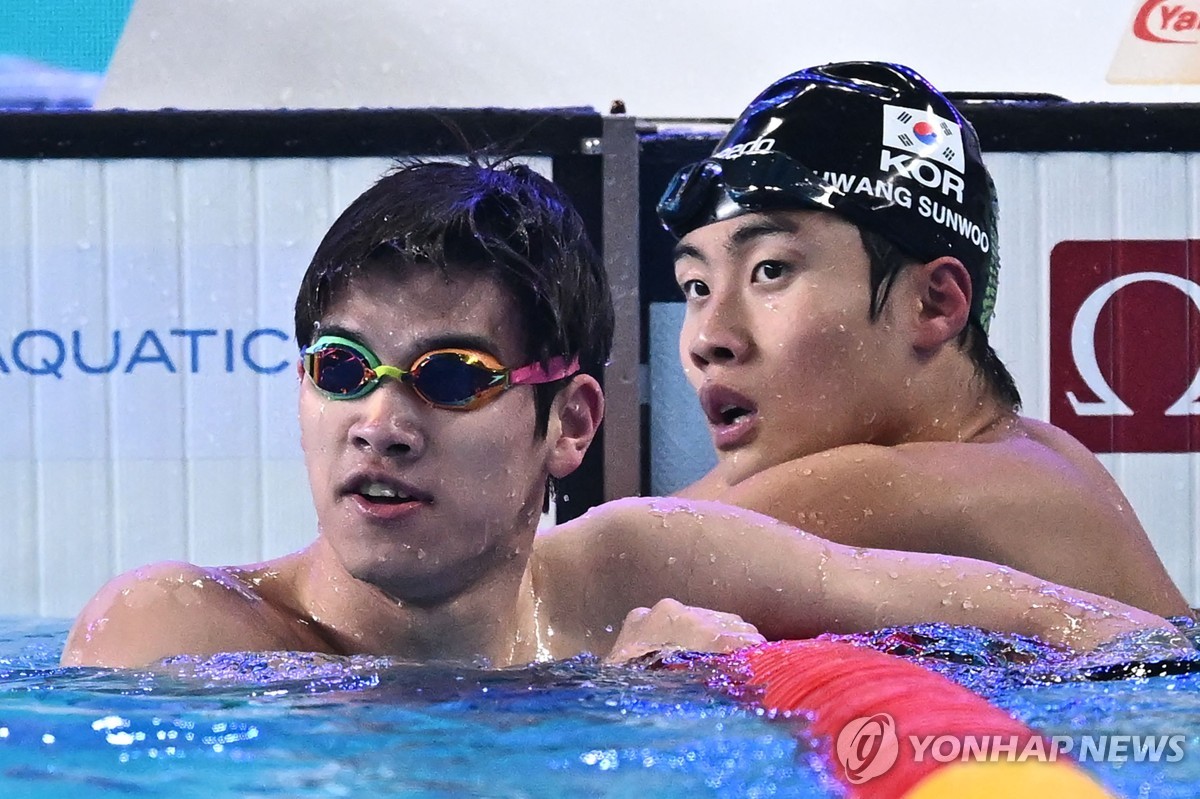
(458, 379)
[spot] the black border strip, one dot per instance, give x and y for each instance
(1002, 126)
(293, 134)
(1085, 127)
(1024, 126)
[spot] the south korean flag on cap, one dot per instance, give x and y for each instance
(924, 134)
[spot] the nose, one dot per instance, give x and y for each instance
(388, 423)
(720, 335)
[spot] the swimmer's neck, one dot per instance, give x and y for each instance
(946, 400)
(493, 620)
(978, 417)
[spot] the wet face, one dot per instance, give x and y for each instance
(777, 338)
(418, 500)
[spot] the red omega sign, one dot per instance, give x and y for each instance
(1125, 344)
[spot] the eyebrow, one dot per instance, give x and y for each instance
(423, 344)
(759, 227)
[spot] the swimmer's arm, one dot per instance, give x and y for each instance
(791, 584)
(168, 609)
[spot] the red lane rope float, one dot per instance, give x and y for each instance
(877, 709)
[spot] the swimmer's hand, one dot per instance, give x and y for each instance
(674, 626)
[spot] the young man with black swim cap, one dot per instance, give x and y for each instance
(838, 255)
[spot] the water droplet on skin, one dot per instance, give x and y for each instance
(608, 628)
(806, 472)
(420, 554)
(671, 561)
(968, 604)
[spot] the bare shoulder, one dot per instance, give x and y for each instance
(857, 494)
(173, 608)
(1026, 495)
(1028, 458)
(928, 496)
(1062, 444)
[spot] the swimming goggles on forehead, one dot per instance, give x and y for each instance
(454, 378)
(774, 181)
(753, 182)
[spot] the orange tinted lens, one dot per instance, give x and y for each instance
(454, 379)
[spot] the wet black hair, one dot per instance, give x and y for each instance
(498, 217)
(886, 261)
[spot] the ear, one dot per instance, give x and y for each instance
(574, 418)
(944, 293)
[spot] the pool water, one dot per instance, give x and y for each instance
(306, 726)
(259, 725)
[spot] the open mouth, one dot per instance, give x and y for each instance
(382, 492)
(724, 406)
(379, 491)
(731, 415)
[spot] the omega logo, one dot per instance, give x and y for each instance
(1083, 349)
(1124, 336)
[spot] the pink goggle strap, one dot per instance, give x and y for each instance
(535, 373)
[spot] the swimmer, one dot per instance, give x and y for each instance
(450, 324)
(838, 257)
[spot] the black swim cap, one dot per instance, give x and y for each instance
(873, 142)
